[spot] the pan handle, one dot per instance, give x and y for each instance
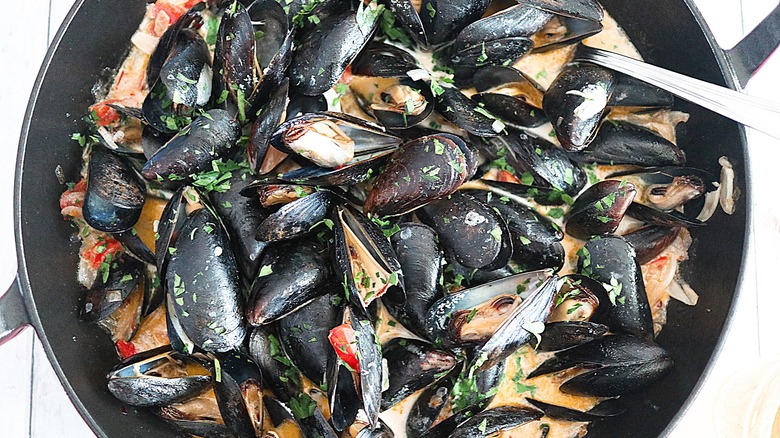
(13, 313)
(751, 53)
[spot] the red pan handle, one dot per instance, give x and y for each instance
(751, 53)
(13, 314)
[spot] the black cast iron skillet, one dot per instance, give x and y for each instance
(668, 33)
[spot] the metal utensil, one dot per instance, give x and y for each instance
(757, 113)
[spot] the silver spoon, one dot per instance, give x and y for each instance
(760, 114)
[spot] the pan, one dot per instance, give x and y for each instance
(45, 295)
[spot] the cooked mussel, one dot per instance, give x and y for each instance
(495, 420)
(614, 365)
(599, 210)
(510, 95)
(187, 71)
(417, 248)
(415, 365)
(576, 103)
(115, 194)
(296, 218)
(105, 297)
(209, 137)
(624, 143)
(612, 261)
(292, 274)
(472, 231)
(331, 140)
(238, 386)
(368, 261)
(421, 171)
(432, 22)
(158, 377)
(279, 373)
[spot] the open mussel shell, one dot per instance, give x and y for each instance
(238, 386)
(158, 377)
(511, 110)
(415, 365)
(304, 334)
(292, 274)
(466, 114)
(667, 188)
(203, 284)
(436, 22)
(280, 416)
(654, 216)
(173, 216)
(599, 210)
(326, 51)
(615, 365)
(419, 172)
(343, 398)
(242, 215)
(187, 71)
(270, 28)
(211, 136)
(105, 297)
(650, 241)
(473, 232)
(279, 373)
(580, 299)
(331, 140)
(459, 305)
(515, 332)
(495, 420)
(366, 258)
(402, 105)
(381, 431)
(263, 128)
(115, 194)
(296, 218)
(576, 103)
(612, 261)
(417, 248)
(605, 409)
(369, 357)
(429, 405)
(198, 416)
(624, 143)
(157, 110)
(353, 172)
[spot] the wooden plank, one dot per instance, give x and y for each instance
(22, 40)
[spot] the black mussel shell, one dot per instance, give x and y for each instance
(236, 52)
(104, 297)
(612, 261)
(421, 171)
(649, 242)
(382, 60)
(576, 102)
(429, 405)
(633, 93)
(296, 218)
(210, 137)
(495, 420)
(356, 171)
(615, 365)
(187, 71)
(511, 110)
(156, 378)
(242, 216)
(163, 49)
(415, 365)
(203, 284)
(198, 416)
(599, 210)
(265, 125)
(473, 232)
(325, 52)
(584, 9)
(443, 20)
(624, 143)
(417, 248)
(466, 114)
(304, 334)
(343, 398)
(115, 194)
(567, 334)
(270, 28)
(292, 274)
(605, 409)
(369, 360)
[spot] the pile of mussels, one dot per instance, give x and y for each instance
(353, 264)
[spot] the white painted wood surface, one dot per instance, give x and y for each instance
(32, 402)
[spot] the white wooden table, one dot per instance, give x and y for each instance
(32, 402)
